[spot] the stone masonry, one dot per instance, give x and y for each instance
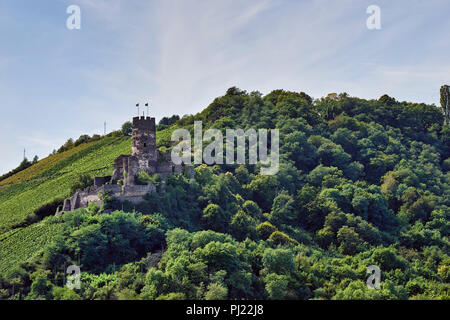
(145, 157)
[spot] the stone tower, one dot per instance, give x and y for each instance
(145, 156)
(144, 143)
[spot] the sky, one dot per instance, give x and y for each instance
(178, 55)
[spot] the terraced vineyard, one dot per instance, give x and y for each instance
(40, 167)
(50, 178)
(18, 245)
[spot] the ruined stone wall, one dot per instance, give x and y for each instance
(133, 169)
(75, 202)
(164, 169)
(100, 181)
(132, 193)
(113, 188)
(135, 193)
(67, 206)
(119, 167)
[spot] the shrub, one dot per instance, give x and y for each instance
(265, 229)
(142, 178)
(127, 128)
(83, 181)
(93, 208)
(216, 291)
(278, 237)
(49, 208)
(387, 259)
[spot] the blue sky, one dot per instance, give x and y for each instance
(57, 83)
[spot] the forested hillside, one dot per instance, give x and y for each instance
(361, 182)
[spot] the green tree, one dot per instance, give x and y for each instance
(387, 259)
(65, 294)
(127, 128)
(215, 218)
(349, 240)
(283, 210)
(265, 229)
(278, 261)
(216, 291)
(242, 226)
(41, 287)
(263, 190)
(276, 286)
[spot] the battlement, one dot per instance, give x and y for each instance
(142, 118)
(144, 126)
(143, 122)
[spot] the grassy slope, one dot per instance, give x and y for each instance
(50, 178)
(18, 245)
(26, 191)
(41, 186)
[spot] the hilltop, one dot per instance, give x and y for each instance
(361, 182)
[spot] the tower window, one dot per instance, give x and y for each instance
(145, 145)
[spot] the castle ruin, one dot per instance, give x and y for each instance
(145, 157)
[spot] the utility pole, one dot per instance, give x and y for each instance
(105, 128)
(24, 154)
